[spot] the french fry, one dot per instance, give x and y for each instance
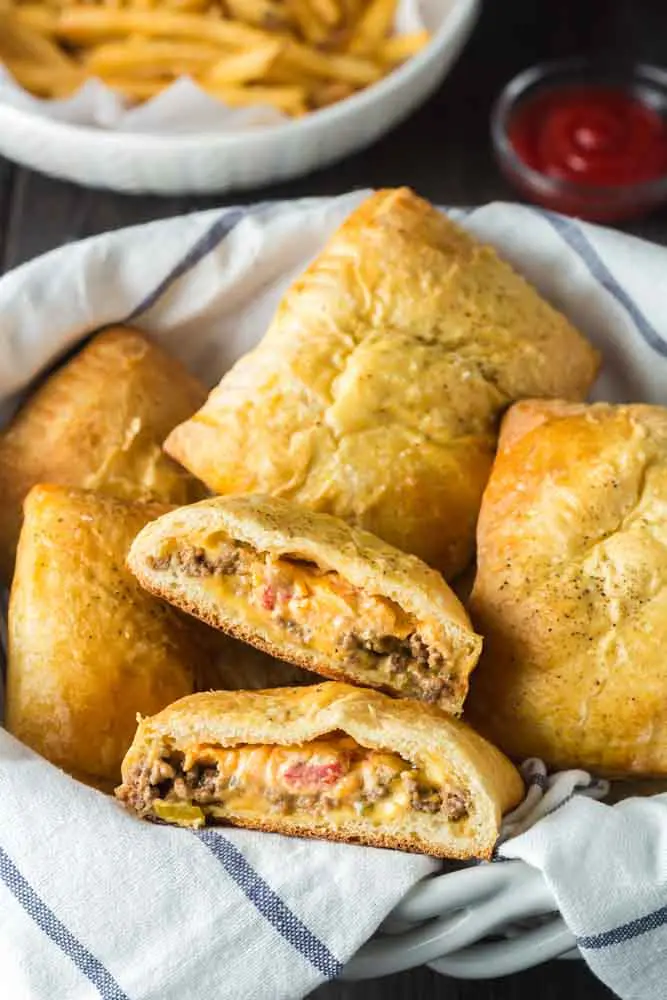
(284, 75)
(312, 29)
(352, 10)
(396, 50)
(331, 66)
(244, 67)
(92, 25)
(43, 80)
(37, 17)
(328, 11)
(290, 100)
(150, 58)
(136, 90)
(324, 94)
(267, 14)
(21, 42)
(186, 6)
(372, 27)
(51, 5)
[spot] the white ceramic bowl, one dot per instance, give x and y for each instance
(196, 164)
(445, 922)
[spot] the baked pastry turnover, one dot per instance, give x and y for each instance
(313, 590)
(328, 761)
(571, 590)
(375, 393)
(98, 422)
(88, 648)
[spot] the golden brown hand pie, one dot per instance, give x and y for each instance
(376, 391)
(315, 591)
(571, 590)
(98, 422)
(88, 648)
(330, 761)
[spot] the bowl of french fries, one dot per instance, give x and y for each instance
(249, 92)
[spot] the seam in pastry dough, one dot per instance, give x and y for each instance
(375, 393)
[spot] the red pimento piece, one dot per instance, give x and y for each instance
(269, 598)
(303, 774)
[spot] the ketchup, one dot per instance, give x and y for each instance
(596, 135)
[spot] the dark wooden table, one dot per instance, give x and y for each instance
(443, 151)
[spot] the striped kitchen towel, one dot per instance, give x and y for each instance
(96, 904)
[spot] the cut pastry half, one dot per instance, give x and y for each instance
(330, 761)
(313, 590)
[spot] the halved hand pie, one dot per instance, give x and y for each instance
(315, 591)
(330, 761)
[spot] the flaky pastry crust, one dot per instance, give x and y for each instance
(98, 423)
(571, 588)
(376, 392)
(88, 647)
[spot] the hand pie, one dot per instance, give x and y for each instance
(88, 648)
(329, 761)
(571, 589)
(98, 423)
(313, 590)
(375, 393)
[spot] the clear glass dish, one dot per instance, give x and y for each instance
(598, 202)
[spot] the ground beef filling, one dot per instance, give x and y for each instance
(317, 607)
(194, 561)
(331, 777)
(408, 663)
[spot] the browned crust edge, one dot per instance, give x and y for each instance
(410, 845)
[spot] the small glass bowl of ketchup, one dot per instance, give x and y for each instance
(585, 140)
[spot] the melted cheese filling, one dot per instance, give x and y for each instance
(291, 602)
(333, 778)
(320, 609)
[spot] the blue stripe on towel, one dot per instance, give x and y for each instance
(575, 239)
(270, 905)
(45, 918)
(206, 243)
(625, 932)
